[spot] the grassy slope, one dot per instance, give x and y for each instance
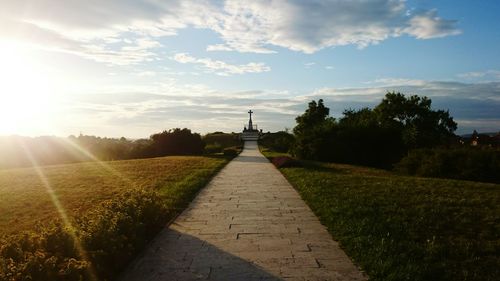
(25, 200)
(406, 228)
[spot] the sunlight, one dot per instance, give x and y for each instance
(25, 92)
(103, 164)
(60, 209)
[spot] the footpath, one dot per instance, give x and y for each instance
(248, 223)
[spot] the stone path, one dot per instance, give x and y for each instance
(247, 224)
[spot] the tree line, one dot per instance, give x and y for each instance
(374, 137)
(17, 151)
(401, 132)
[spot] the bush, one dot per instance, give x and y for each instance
(177, 142)
(114, 233)
(49, 254)
(459, 163)
(221, 139)
(111, 235)
(213, 148)
(280, 141)
(231, 152)
(285, 162)
(367, 146)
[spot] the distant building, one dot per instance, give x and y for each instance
(484, 139)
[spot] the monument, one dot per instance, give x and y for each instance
(250, 127)
(250, 131)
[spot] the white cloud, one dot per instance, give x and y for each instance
(488, 75)
(309, 26)
(428, 25)
(220, 67)
(389, 81)
(245, 26)
(133, 50)
(138, 51)
(219, 47)
(146, 73)
(306, 26)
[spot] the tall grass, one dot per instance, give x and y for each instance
(111, 215)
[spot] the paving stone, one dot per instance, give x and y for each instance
(248, 223)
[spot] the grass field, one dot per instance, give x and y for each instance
(26, 198)
(406, 228)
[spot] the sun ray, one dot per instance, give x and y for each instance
(101, 163)
(60, 209)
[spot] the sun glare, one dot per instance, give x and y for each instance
(25, 92)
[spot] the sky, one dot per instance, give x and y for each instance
(133, 68)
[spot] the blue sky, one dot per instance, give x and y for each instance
(132, 68)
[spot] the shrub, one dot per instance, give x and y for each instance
(280, 141)
(231, 152)
(213, 148)
(110, 235)
(285, 162)
(223, 140)
(48, 254)
(459, 163)
(114, 233)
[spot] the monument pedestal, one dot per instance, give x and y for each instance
(250, 136)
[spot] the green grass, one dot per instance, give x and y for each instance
(406, 228)
(25, 200)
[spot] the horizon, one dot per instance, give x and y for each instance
(133, 68)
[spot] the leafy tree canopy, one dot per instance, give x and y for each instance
(375, 137)
(421, 126)
(315, 115)
(311, 129)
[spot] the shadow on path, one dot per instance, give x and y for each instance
(179, 256)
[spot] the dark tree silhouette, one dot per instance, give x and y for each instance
(177, 142)
(312, 131)
(420, 125)
(376, 137)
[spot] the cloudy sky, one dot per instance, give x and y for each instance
(131, 68)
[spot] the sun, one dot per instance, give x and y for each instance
(25, 92)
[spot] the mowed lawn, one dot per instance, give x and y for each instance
(25, 198)
(406, 228)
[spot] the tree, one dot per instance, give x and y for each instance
(376, 137)
(364, 117)
(177, 142)
(312, 130)
(420, 125)
(360, 139)
(316, 114)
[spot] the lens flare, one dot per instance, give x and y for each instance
(60, 209)
(103, 164)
